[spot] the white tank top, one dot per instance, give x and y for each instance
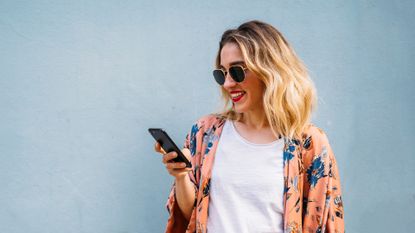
(247, 185)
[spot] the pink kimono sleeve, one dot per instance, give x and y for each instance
(323, 205)
(177, 223)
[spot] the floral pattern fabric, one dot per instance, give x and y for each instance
(312, 192)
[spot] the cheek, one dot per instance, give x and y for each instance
(256, 89)
(258, 95)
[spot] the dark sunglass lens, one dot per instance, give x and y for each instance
(219, 76)
(237, 73)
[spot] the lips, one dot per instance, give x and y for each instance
(237, 95)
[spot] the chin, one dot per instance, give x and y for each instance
(239, 109)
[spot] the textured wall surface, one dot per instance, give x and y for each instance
(81, 81)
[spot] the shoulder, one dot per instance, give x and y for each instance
(315, 145)
(204, 130)
(314, 138)
(209, 121)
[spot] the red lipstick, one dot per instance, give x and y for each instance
(237, 95)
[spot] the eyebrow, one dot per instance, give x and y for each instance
(234, 63)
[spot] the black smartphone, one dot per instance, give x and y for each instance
(168, 145)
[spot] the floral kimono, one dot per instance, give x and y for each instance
(312, 194)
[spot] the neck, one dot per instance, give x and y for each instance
(255, 119)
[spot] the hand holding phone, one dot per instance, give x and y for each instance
(168, 145)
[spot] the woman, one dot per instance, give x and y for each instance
(259, 166)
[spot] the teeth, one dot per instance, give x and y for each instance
(236, 95)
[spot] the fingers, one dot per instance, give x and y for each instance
(169, 156)
(174, 168)
(175, 165)
(158, 148)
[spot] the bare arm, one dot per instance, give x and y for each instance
(185, 195)
(185, 190)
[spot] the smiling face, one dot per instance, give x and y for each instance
(246, 95)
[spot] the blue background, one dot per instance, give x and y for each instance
(81, 81)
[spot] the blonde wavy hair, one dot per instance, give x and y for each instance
(289, 97)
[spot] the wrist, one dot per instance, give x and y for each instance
(182, 178)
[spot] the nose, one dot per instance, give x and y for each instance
(229, 82)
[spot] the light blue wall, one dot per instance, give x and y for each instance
(81, 81)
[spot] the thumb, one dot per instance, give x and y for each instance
(186, 153)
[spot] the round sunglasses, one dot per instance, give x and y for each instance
(236, 72)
